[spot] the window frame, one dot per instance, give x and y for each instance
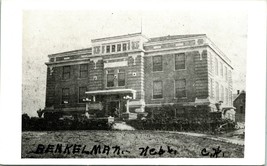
(124, 73)
(216, 66)
(161, 64)
(64, 72)
(83, 70)
(113, 48)
(176, 56)
(153, 90)
(176, 89)
(79, 94)
(64, 97)
(107, 76)
(108, 50)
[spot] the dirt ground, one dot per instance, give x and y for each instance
(128, 144)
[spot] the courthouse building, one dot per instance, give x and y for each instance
(129, 73)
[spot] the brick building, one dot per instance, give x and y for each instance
(240, 105)
(126, 74)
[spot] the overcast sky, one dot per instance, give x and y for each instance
(48, 32)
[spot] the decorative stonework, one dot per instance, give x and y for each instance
(135, 45)
(95, 60)
(51, 70)
(96, 49)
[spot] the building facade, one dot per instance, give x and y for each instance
(129, 73)
(240, 105)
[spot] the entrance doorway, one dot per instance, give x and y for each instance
(113, 108)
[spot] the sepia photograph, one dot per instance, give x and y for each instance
(135, 83)
(111, 84)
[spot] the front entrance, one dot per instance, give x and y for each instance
(113, 108)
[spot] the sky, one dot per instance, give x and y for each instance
(52, 31)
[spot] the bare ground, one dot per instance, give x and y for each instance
(128, 144)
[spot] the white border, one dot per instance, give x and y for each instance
(11, 65)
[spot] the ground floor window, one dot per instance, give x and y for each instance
(157, 90)
(180, 88)
(82, 94)
(65, 95)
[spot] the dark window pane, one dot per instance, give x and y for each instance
(180, 86)
(108, 49)
(157, 63)
(83, 70)
(157, 90)
(82, 94)
(110, 80)
(124, 47)
(65, 95)
(113, 48)
(180, 61)
(66, 72)
(119, 47)
(121, 78)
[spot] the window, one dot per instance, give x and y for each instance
(231, 98)
(110, 78)
(83, 70)
(241, 109)
(180, 88)
(113, 48)
(124, 47)
(211, 63)
(121, 77)
(216, 66)
(82, 94)
(217, 91)
(157, 63)
(66, 72)
(179, 61)
(226, 74)
(108, 49)
(226, 96)
(211, 88)
(118, 47)
(157, 90)
(221, 65)
(222, 93)
(65, 95)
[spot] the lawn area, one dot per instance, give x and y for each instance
(128, 144)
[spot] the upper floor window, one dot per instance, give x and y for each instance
(217, 91)
(216, 66)
(180, 88)
(179, 61)
(110, 78)
(66, 72)
(113, 48)
(221, 65)
(222, 93)
(65, 95)
(211, 67)
(124, 46)
(157, 63)
(108, 49)
(118, 47)
(226, 73)
(211, 88)
(226, 96)
(83, 70)
(82, 94)
(121, 77)
(157, 90)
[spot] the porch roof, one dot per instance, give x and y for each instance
(111, 91)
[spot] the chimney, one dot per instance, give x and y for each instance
(238, 91)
